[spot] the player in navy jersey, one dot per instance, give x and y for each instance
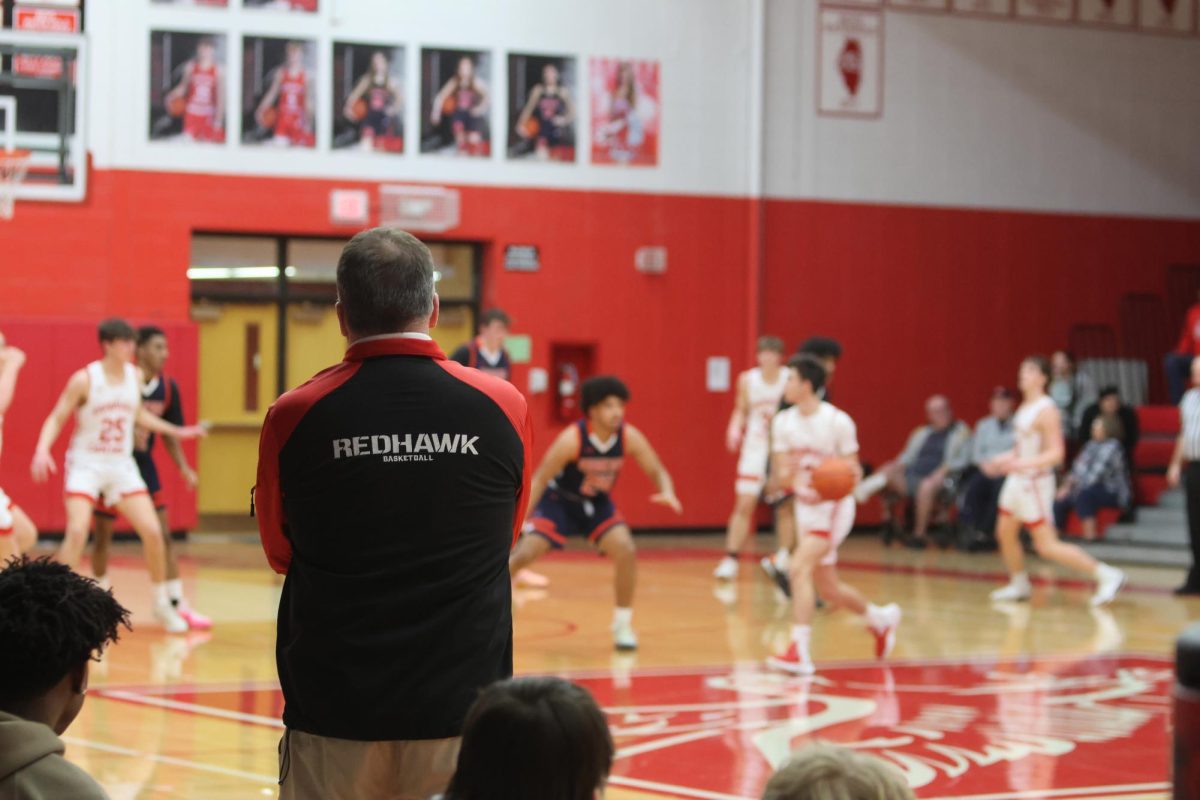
(570, 493)
(486, 351)
(160, 396)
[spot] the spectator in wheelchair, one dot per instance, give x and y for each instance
(1098, 479)
(933, 458)
(982, 480)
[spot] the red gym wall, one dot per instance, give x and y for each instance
(941, 300)
(924, 299)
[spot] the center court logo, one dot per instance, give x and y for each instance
(407, 447)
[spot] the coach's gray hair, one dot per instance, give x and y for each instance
(384, 281)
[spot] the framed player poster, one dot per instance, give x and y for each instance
(626, 111)
(304, 6)
(850, 63)
(188, 95)
(193, 3)
(456, 101)
(541, 107)
(278, 91)
(1115, 13)
(368, 97)
(1167, 16)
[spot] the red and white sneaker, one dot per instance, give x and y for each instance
(791, 662)
(534, 580)
(883, 626)
(195, 620)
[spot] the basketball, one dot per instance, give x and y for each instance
(176, 106)
(359, 110)
(834, 479)
(267, 118)
(531, 127)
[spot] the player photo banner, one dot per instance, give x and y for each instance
(626, 111)
(368, 97)
(541, 107)
(278, 91)
(456, 102)
(850, 63)
(1167, 16)
(1115, 13)
(193, 3)
(187, 87)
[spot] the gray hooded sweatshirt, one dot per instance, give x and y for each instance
(32, 766)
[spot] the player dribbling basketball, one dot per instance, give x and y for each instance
(17, 532)
(570, 496)
(201, 90)
(802, 437)
(289, 98)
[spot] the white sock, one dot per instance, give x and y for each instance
(622, 616)
(874, 614)
(161, 597)
(104, 582)
(781, 557)
(1102, 569)
(801, 635)
(175, 589)
(1019, 577)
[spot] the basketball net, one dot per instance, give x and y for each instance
(13, 164)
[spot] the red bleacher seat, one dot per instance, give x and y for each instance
(1104, 518)
(1148, 487)
(1153, 453)
(1158, 420)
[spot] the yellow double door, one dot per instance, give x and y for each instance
(239, 367)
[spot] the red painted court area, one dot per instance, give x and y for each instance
(1026, 727)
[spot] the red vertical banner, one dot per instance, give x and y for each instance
(850, 62)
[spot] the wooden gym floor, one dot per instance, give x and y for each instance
(1042, 700)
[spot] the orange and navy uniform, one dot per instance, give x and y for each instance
(578, 501)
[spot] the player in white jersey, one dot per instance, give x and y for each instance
(106, 398)
(1027, 497)
(759, 392)
(802, 437)
(17, 532)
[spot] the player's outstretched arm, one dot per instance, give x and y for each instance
(563, 450)
(355, 95)
(269, 98)
(569, 115)
(485, 98)
(639, 447)
(527, 111)
(11, 361)
(159, 425)
(180, 88)
(175, 450)
(435, 113)
(73, 396)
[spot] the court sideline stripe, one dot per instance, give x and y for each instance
(177, 762)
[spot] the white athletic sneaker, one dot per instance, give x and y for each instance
(1018, 588)
(792, 662)
(1109, 581)
(727, 570)
(170, 619)
(869, 486)
(883, 625)
(623, 636)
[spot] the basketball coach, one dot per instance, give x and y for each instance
(390, 490)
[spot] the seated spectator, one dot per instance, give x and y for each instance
(1072, 391)
(981, 487)
(934, 452)
(1098, 478)
(52, 622)
(1110, 405)
(825, 772)
(533, 739)
(1178, 364)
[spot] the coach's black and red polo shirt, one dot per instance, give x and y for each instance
(390, 490)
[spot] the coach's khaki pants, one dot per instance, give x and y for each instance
(320, 768)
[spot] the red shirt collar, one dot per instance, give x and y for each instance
(395, 346)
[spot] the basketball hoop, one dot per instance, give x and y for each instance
(13, 164)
